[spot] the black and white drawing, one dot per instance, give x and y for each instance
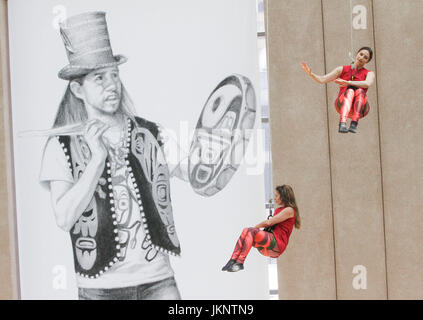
(107, 171)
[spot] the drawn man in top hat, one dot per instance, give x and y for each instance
(108, 176)
(113, 172)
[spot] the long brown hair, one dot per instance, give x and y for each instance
(288, 198)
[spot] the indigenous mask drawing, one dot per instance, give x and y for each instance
(222, 135)
(86, 228)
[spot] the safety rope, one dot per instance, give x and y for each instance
(351, 34)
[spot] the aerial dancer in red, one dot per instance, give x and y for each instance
(272, 241)
(353, 80)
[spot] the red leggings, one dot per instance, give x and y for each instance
(356, 99)
(264, 241)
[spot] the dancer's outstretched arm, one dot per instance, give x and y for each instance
(331, 76)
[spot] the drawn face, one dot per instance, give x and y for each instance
(101, 90)
(362, 57)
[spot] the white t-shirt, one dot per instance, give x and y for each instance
(142, 263)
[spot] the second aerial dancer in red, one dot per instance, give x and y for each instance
(353, 80)
(273, 239)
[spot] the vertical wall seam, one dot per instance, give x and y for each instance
(10, 166)
(380, 154)
(329, 150)
(267, 41)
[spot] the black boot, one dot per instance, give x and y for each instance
(343, 127)
(353, 126)
(235, 267)
(228, 265)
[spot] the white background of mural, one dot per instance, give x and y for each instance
(178, 51)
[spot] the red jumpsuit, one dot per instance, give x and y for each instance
(352, 101)
(269, 244)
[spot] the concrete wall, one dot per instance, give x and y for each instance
(358, 193)
(398, 38)
(355, 165)
(300, 146)
(8, 248)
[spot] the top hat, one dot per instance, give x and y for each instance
(87, 44)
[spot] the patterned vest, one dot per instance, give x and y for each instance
(94, 236)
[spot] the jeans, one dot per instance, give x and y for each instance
(161, 290)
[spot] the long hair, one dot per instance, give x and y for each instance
(288, 198)
(72, 109)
